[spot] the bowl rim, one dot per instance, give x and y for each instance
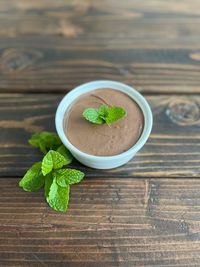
(102, 84)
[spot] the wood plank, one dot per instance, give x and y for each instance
(111, 222)
(55, 70)
(171, 151)
(113, 31)
(130, 22)
(52, 48)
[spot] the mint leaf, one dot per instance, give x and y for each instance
(52, 160)
(115, 114)
(104, 114)
(65, 152)
(103, 111)
(47, 185)
(66, 177)
(92, 115)
(33, 179)
(45, 141)
(58, 197)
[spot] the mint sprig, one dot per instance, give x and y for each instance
(104, 114)
(49, 173)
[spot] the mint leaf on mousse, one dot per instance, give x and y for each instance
(103, 111)
(114, 114)
(92, 115)
(104, 114)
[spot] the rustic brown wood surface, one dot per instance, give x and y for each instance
(110, 222)
(136, 215)
(152, 45)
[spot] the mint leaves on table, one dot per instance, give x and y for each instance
(51, 161)
(104, 114)
(49, 173)
(33, 180)
(58, 196)
(45, 141)
(65, 152)
(68, 176)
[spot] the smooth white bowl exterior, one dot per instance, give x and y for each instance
(100, 162)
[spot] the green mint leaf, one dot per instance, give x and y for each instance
(48, 183)
(52, 160)
(115, 114)
(33, 180)
(66, 177)
(45, 141)
(58, 197)
(92, 115)
(103, 111)
(66, 153)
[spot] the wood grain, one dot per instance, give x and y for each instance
(130, 216)
(152, 45)
(55, 70)
(110, 222)
(171, 151)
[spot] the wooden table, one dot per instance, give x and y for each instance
(146, 213)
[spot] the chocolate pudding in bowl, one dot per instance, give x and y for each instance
(103, 145)
(104, 139)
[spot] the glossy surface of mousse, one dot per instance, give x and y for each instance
(103, 140)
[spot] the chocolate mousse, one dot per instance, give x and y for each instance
(103, 140)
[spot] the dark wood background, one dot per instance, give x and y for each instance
(146, 213)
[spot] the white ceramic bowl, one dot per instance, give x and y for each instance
(101, 162)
